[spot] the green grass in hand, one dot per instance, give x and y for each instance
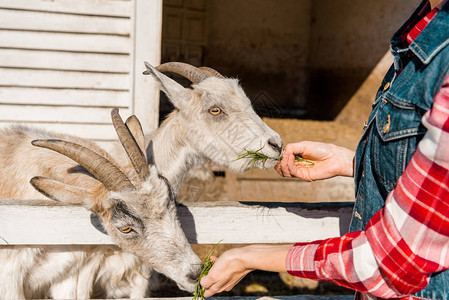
(198, 294)
(257, 158)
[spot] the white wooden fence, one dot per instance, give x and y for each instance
(37, 223)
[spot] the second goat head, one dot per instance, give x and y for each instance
(216, 117)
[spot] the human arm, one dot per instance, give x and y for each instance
(329, 161)
(404, 243)
(236, 263)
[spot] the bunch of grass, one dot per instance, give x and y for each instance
(207, 263)
(258, 159)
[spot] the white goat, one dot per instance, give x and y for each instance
(212, 121)
(134, 203)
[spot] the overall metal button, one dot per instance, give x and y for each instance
(387, 126)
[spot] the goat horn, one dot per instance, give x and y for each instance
(190, 72)
(135, 128)
(105, 171)
(130, 145)
(211, 72)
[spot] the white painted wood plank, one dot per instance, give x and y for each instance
(97, 132)
(54, 22)
(63, 79)
(54, 60)
(147, 35)
(94, 43)
(70, 97)
(88, 7)
(27, 225)
(204, 223)
(54, 114)
(208, 223)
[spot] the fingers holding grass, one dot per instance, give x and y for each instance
(257, 159)
(200, 290)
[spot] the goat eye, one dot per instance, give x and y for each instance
(215, 111)
(126, 229)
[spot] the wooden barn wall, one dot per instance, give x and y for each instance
(65, 63)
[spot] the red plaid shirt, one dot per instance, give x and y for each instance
(406, 241)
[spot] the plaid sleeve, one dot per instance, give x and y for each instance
(404, 242)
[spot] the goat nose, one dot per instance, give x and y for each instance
(193, 275)
(275, 145)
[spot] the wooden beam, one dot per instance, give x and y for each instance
(64, 79)
(147, 20)
(59, 114)
(80, 7)
(64, 61)
(64, 97)
(62, 41)
(57, 22)
(37, 223)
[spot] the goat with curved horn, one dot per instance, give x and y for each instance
(140, 218)
(213, 120)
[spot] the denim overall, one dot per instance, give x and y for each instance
(394, 126)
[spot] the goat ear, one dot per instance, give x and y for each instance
(150, 154)
(177, 94)
(62, 192)
(151, 161)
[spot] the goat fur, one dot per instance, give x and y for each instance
(78, 272)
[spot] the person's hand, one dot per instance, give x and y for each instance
(329, 161)
(226, 272)
(234, 264)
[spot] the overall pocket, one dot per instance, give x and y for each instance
(397, 132)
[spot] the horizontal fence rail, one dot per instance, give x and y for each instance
(34, 222)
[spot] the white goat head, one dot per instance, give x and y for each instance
(138, 212)
(217, 117)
